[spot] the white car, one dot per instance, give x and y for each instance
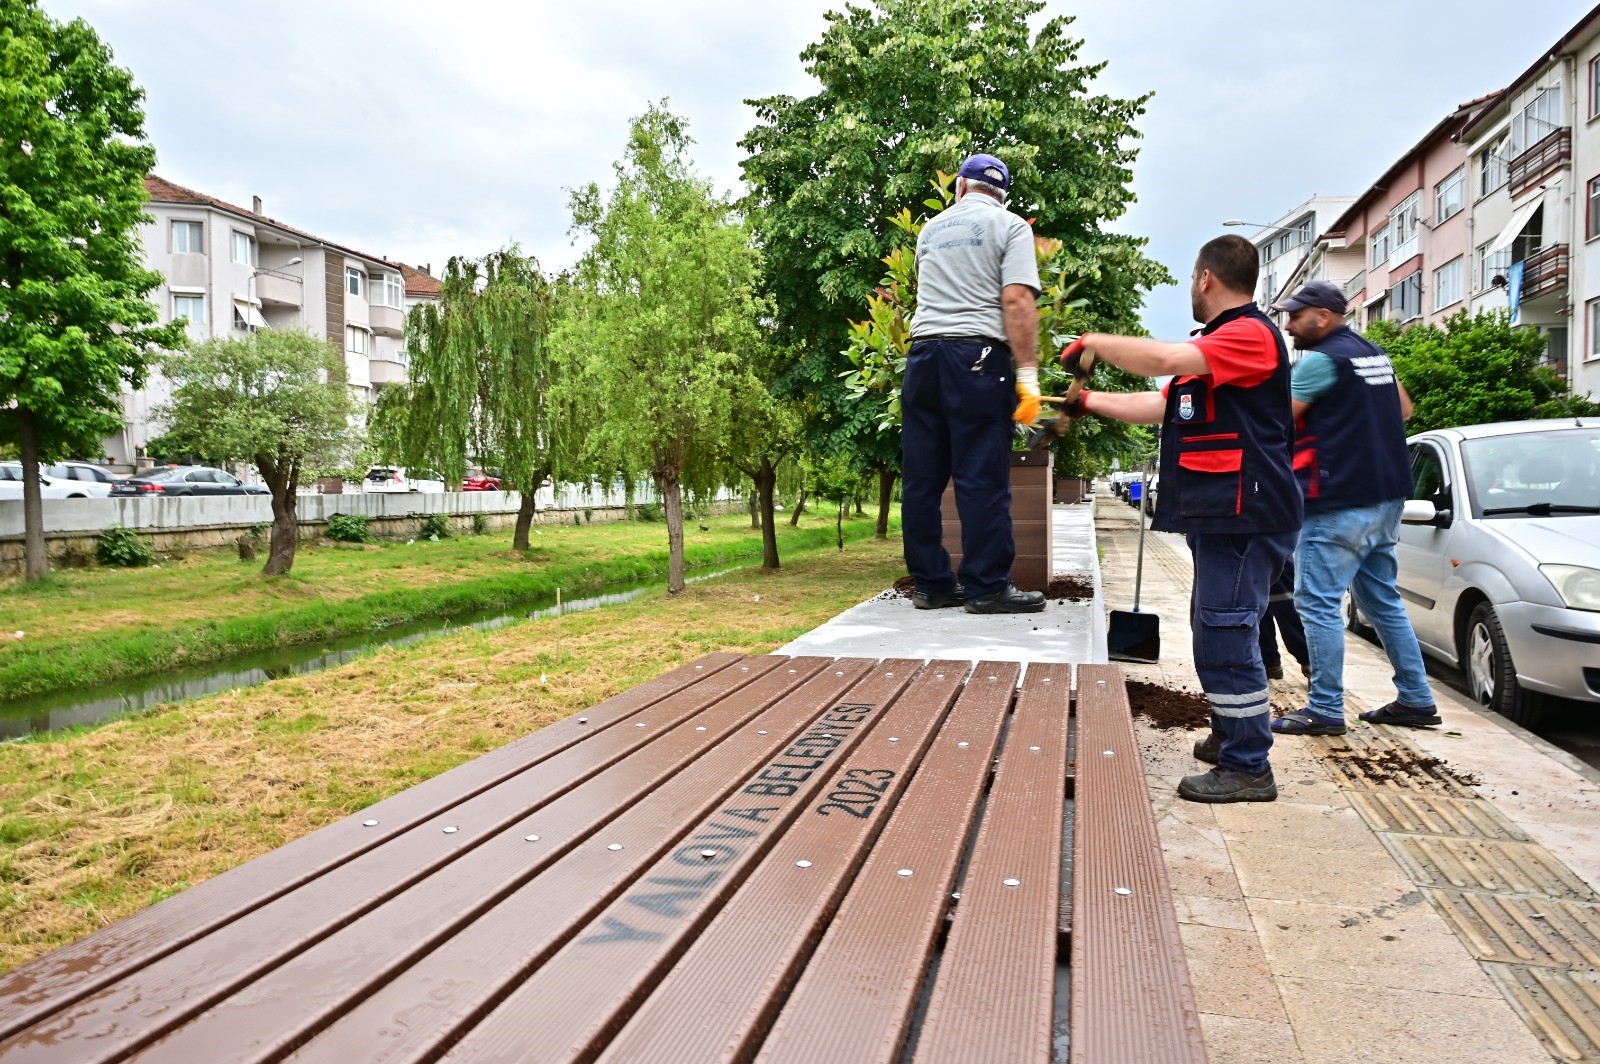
(1499, 555)
(381, 479)
(49, 487)
(95, 480)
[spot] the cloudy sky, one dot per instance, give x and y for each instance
(420, 130)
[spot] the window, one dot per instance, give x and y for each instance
(1428, 481)
(1405, 228)
(1493, 170)
(1594, 328)
(1491, 266)
(354, 281)
(1537, 120)
(1380, 246)
(1594, 88)
(355, 340)
(388, 291)
(1448, 283)
(1405, 299)
(1591, 225)
(189, 306)
(188, 238)
(1447, 196)
(244, 248)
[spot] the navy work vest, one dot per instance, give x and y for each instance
(1351, 447)
(1226, 450)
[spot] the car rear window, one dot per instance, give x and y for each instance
(379, 474)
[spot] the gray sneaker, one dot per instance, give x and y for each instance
(1226, 785)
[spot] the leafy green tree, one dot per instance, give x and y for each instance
(275, 398)
(908, 87)
(1475, 370)
(766, 432)
(482, 378)
(666, 311)
(75, 326)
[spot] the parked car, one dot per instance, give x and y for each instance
(184, 481)
(482, 480)
(1499, 555)
(385, 478)
(95, 481)
(49, 487)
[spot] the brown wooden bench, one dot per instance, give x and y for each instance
(769, 858)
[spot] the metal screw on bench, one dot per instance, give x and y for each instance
(701, 728)
(369, 823)
(763, 731)
(707, 854)
(894, 738)
(802, 864)
(639, 725)
(583, 720)
(615, 846)
(1035, 749)
(903, 872)
(451, 830)
(963, 744)
(1111, 753)
(530, 838)
(1123, 891)
(1012, 882)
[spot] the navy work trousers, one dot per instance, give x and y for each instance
(1283, 619)
(1233, 577)
(956, 403)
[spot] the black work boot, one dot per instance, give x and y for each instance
(1275, 671)
(1227, 785)
(1209, 748)
(936, 600)
(1007, 600)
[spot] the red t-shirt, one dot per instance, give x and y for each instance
(1242, 352)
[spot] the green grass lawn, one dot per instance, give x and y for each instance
(83, 626)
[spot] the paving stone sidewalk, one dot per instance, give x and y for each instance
(1387, 908)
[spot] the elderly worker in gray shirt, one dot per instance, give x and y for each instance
(977, 286)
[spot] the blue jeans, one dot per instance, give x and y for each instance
(1353, 550)
(1233, 578)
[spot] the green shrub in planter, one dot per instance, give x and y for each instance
(349, 528)
(123, 546)
(648, 511)
(480, 525)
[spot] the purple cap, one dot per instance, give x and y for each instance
(986, 168)
(1324, 295)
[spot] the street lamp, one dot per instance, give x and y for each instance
(1259, 225)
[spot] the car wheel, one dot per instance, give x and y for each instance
(1355, 621)
(1491, 675)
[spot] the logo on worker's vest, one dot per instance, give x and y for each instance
(1186, 407)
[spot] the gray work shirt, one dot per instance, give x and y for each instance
(965, 257)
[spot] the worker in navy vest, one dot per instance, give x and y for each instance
(1354, 469)
(1227, 483)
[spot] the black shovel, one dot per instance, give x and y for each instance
(1135, 636)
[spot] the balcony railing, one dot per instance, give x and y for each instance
(1550, 154)
(1545, 271)
(1354, 285)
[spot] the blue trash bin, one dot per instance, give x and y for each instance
(1135, 491)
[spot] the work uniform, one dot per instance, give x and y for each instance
(958, 394)
(1227, 482)
(1354, 469)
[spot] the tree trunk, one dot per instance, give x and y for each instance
(283, 481)
(886, 479)
(755, 506)
(766, 480)
(838, 524)
(860, 512)
(36, 561)
(799, 508)
(519, 537)
(672, 508)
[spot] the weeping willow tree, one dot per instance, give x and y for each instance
(481, 379)
(665, 308)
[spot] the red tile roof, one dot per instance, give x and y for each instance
(420, 284)
(163, 191)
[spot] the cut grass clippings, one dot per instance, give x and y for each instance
(97, 626)
(98, 824)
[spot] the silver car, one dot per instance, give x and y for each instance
(1500, 558)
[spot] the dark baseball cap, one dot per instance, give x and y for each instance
(986, 168)
(1323, 294)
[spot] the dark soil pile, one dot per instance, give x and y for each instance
(905, 586)
(1062, 588)
(1166, 709)
(1384, 766)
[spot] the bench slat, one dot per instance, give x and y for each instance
(1132, 1001)
(993, 999)
(855, 998)
(128, 1014)
(428, 1005)
(33, 991)
(733, 977)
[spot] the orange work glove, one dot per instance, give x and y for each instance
(1027, 411)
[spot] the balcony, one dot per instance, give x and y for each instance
(385, 373)
(386, 321)
(1541, 160)
(1545, 271)
(1355, 285)
(276, 289)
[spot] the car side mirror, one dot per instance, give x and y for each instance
(1423, 512)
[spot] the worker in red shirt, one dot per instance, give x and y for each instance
(1227, 482)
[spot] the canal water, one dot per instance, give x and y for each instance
(78, 706)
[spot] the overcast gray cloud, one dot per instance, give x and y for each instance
(419, 130)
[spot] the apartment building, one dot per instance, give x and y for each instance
(1284, 243)
(230, 270)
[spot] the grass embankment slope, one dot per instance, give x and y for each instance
(88, 626)
(95, 825)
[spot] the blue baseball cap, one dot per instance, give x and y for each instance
(986, 168)
(1324, 295)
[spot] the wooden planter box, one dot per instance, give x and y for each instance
(1030, 520)
(1070, 490)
